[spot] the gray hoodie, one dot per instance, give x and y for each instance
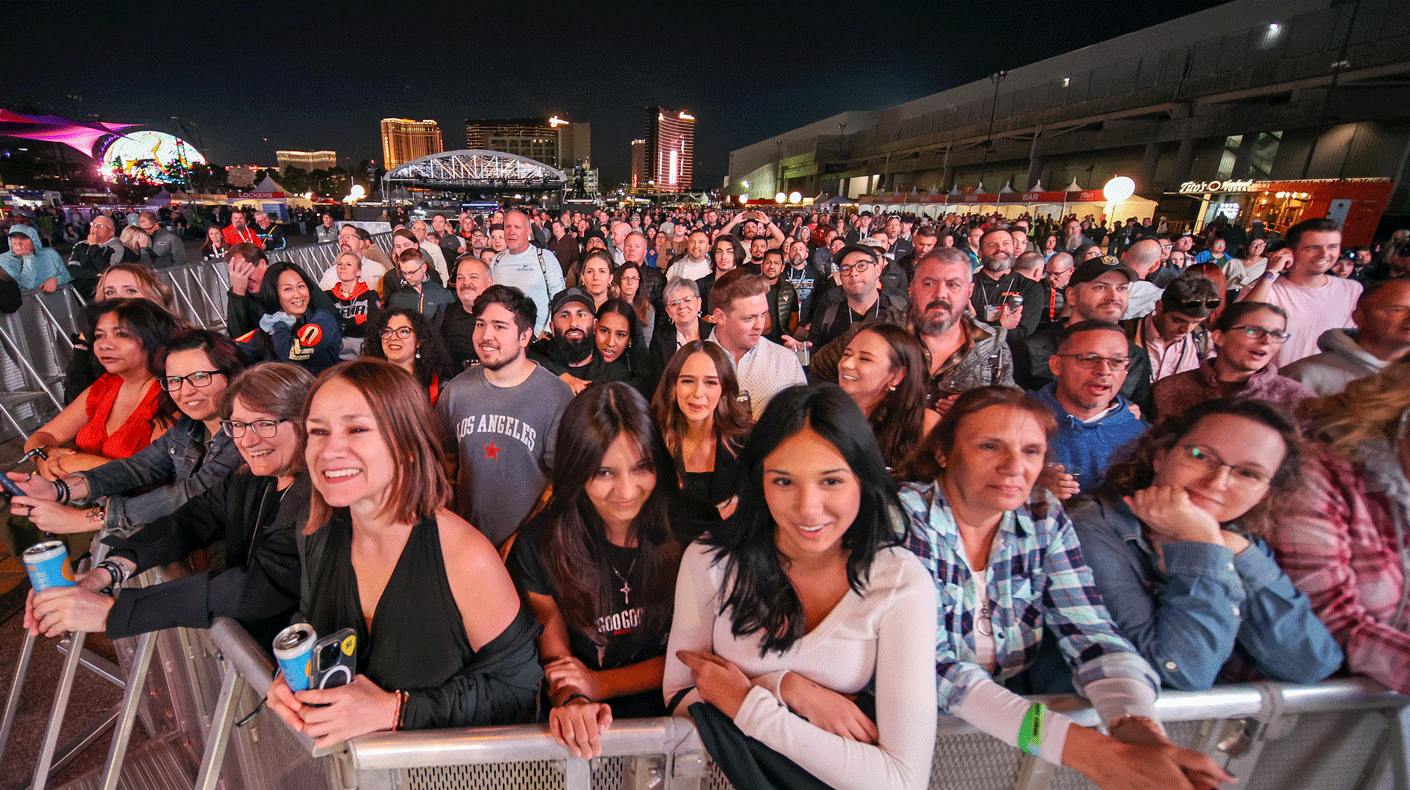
(1341, 362)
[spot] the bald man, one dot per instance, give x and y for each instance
(1143, 258)
(90, 258)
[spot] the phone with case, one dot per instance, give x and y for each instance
(335, 659)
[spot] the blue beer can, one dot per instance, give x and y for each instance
(293, 648)
(48, 565)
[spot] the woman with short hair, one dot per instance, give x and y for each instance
(442, 640)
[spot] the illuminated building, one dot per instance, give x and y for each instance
(638, 164)
(308, 161)
(404, 140)
(670, 149)
(556, 141)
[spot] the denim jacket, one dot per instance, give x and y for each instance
(180, 452)
(1209, 603)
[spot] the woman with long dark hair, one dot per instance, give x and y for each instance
(626, 285)
(597, 566)
(703, 423)
(121, 412)
(442, 639)
(193, 370)
(1174, 540)
(402, 337)
(804, 595)
(295, 326)
(883, 369)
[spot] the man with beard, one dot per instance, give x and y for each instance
(961, 352)
(571, 354)
(807, 279)
(695, 265)
(1094, 421)
(860, 298)
(503, 416)
(457, 321)
(783, 300)
(922, 242)
(1073, 236)
(1096, 292)
(358, 242)
(237, 232)
(1003, 297)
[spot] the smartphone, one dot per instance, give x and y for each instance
(335, 659)
(9, 486)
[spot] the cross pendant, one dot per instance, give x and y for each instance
(626, 593)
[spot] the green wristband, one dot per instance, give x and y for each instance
(1030, 733)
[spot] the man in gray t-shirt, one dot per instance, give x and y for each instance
(503, 415)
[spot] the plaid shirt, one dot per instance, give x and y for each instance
(1037, 579)
(1339, 542)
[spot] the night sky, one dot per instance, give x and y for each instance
(250, 77)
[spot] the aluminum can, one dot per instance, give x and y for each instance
(293, 648)
(48, 565)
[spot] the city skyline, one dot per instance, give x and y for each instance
(288, 82)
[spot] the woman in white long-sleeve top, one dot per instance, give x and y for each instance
(797, 602)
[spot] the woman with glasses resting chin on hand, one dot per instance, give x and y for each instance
(1248, 336)
(1174, 541)
(254, 512)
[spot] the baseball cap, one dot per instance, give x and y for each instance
(569, 295)
(1088, 271)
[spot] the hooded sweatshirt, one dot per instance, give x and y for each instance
(34, 270)
(1341, 362)
(1085, 448)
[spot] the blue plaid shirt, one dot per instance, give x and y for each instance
(1037, 579)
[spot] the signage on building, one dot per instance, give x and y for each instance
(1200, 187)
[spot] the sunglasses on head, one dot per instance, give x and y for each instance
(1195, 304)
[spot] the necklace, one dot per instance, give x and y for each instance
(626, 587)
(983, 624)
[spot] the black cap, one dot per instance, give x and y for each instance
(1088, 271)
(572, 295)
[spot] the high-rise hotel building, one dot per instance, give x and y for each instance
(669, 150)
(404, 140)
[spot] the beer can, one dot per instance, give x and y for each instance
(293, 648)
(48, 565)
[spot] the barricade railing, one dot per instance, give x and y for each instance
(35, 345)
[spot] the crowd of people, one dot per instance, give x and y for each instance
(804, 479)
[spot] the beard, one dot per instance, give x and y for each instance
(938, 325)
(576, 350)
(998, 262)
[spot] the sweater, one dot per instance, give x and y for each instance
(1085, 449)
(1341, 362)
(1175, 394)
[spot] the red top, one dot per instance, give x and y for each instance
(131, 436)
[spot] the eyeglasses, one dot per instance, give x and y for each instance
(1208, 462)
(401, 332)
(682, 301)
(263, 428)
(859, 268)
(1091, 361)
(1195, 304)
(201, 378)
(1258, 333)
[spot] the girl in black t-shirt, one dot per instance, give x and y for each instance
(598, 565)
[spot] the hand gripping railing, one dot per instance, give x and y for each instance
(1235, 724)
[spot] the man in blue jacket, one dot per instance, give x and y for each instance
(1094, 421)
(31, 263)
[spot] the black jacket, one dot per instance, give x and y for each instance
(832, 316)
(986, 289)
(1031, 371)
(260, 583)
(663, 347)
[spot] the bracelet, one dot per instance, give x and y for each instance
(1270, 276)
(573, 696)
(1030, 733)
(61, 491)
(401, 709)
(116, 573)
